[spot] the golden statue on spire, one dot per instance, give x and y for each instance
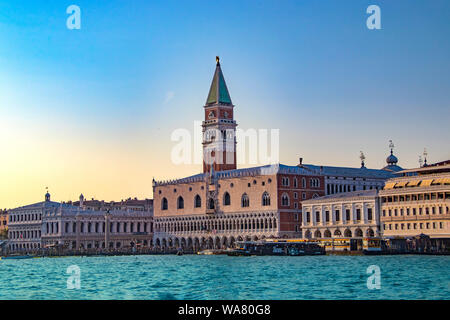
(217, 59)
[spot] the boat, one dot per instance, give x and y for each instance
(17, 257)
(277, 248)
(209, 252)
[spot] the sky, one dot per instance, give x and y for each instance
(92, 110)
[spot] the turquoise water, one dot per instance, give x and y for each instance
(223, 277)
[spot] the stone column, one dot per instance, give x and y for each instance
(343, 215)
(107, 222)
(77, 230)
(322, 209)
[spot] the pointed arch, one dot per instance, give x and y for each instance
(285, 201)
(180, 203)
(245, 201)
(266, 199)
(211, 204)
(164, 204)
(197, 201)
(226, 199)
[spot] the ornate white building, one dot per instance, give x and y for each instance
(51, 224)
(346, 215)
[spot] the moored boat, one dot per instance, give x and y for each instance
(18, 257)
(212, 252)
(277, 248)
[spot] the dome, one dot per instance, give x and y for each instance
(391, 160)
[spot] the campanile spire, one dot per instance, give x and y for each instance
(219, 127)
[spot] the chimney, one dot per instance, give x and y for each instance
(300, 161)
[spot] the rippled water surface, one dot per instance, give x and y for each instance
(223, 277)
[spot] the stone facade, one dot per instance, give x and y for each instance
(215, 210)
(347, 215)
(51, 224)
(417, 203)
(3, 219)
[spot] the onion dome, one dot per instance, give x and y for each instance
(391, 160)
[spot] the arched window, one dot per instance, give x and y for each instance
(226, 199)
(295, 183)
(164, 204)
(245, 201)
(265, 199)
(303, 183)
(197, 202)
(180, 203)
(211, 203)
(285, 199)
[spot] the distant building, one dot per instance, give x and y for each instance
(3, 220)
(346, 215)
(347, 179)
(51, 224)
(101, 205)
(417, 203)
(77, 228)
(25, 225)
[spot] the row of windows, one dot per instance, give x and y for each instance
(313, 182)
(409, 226)
(29, 234)
(337, 215)
(340, 188)
(263, 183)
(25, 246)
(414, 211)
(25, 217)
(91, 227)
(416, 197)
(245, 201)
(220, 225)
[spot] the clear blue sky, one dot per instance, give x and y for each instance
(109, 95)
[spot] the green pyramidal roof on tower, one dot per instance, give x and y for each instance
(219, 91)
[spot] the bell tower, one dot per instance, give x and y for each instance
(219, 127)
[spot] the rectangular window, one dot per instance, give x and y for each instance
(338, 215)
